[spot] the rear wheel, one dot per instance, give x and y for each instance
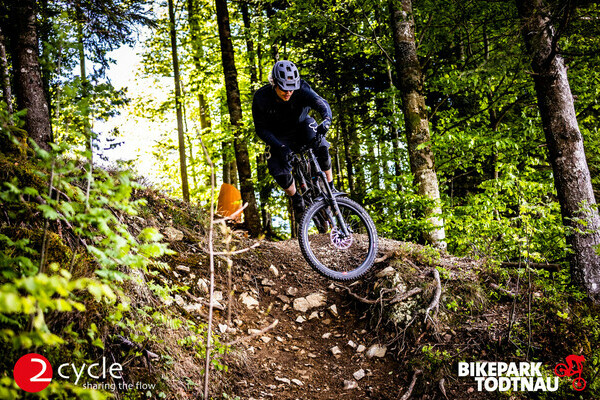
(331, 253)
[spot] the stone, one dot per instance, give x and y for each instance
(349, 385)
(284, 299)
(172, 234)
(297, 382)
(183, 268)
(291, 291)
(217, 295)
(300, 319)
(351, 344)
(387, 271)
(301, 304)
(360, 348)
(326, 335)
(333, 310)
(335, 350)
(196, 307)
(358, 375)
(267, 282)
(283, 380)
(376, 351)
(313, 315)
(316, 300)
(203, 286)
(265, 339)
(273, 269)
(248, 300)
(223, 328)
(179, 300)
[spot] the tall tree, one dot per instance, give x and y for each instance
(410, 83)
(178, 108)
(29, 89)
(565, 144)
(4, 74)
(235, 114)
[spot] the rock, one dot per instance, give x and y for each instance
(279, 339)
(349, 385)
(387, 271)
(203, 286)
(223, 328)
(265, 339)
(297, 382)
(316, 300)
(248, 300)
(291, 291)
(273, 270)
(301, 304)
(217, 295)
(358, 375)
(286, 306)
(179, 300)
(326, 321)
(335, 350)
(326, 335)
(284, 299)
(183, 268)
(360, 348)
(196, 307)
(246, 277)
(300, 319)
(312, 355)
(267, 282)
(313, 315)
(283, 380)
(351, 344)
(172, 234)
(333, 310)
(376, 351)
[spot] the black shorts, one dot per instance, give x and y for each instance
(304, 133)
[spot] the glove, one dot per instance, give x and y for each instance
(323, 127)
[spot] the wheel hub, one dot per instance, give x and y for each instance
(339, 240)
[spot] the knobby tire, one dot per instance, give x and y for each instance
(330, 260)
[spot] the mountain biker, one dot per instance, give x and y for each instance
(280, 111)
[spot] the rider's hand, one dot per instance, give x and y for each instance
(323, 127)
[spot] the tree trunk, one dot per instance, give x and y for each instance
(565, 145)
(180, 134)
(410, 83)
(235, 113)
(198, 54)
(29, 89)
(4, 75)
(249, 47)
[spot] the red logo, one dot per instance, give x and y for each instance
(573, 366)
(33, 373)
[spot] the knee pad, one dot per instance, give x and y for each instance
(322, 153)
(285, 181)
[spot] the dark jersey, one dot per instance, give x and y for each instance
(275, 118)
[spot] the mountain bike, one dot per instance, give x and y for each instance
(337, 236)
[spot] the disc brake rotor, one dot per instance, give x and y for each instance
(338, 239)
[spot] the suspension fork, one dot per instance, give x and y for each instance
(329, 197)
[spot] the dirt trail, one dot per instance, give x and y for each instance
(320, 353)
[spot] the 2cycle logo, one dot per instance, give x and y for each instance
(33, 372)
(522, 376)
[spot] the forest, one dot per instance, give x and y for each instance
(466, 129)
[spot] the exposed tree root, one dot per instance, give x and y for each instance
(408, 393)
(434, 305)
(255, 334)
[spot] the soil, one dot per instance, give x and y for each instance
(302, 351)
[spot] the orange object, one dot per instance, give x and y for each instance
(230, 200)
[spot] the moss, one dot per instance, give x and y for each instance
(57, 250)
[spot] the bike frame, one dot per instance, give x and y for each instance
(308, 156)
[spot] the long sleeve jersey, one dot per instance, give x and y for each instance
(275, 118)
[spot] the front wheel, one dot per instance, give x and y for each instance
(333, 254)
